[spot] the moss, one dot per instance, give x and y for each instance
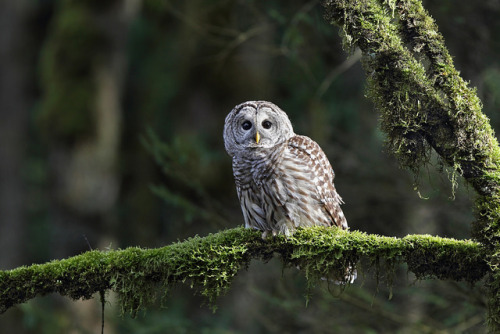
(321, 251)
(475, 149)
(396, 81)
(209, 264)
(425, 104)
(421, 106)
(474, 139)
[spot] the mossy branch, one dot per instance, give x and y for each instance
(423, 101)
(424, 104)
(421, 104)
(210, 263)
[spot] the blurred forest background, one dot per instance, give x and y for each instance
(111, 136)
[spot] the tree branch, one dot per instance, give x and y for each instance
(424, 104)
(209, 264)
(420, 106)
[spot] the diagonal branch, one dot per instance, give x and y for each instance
(424, 104)
(419, 106)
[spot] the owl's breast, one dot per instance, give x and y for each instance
(257, 167)
(249, 175)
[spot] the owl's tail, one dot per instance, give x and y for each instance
(349, 278)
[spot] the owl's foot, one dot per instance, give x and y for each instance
(265, 234)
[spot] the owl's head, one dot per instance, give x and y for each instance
(255, 124)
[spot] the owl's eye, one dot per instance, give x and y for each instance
(266, 124)
(246, 125)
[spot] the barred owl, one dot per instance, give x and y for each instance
(284, 181)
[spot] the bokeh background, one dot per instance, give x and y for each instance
(111, 136)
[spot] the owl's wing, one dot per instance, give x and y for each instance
(308, 153)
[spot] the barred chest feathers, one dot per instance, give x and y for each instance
(283, 180)
(277, 191)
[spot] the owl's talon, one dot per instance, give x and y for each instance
(268, 234)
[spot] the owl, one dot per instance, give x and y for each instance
(283, 180)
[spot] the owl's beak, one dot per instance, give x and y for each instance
(257, 137)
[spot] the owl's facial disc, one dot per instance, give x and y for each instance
(261, 127)
(256, 124)
(254, 128)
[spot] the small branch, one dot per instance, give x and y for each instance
(210, 263)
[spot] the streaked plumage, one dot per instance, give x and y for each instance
(283, 180)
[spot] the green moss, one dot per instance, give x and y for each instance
(421, 105)
(424, 104)
(209, 264)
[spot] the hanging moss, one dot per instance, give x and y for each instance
(425, 104)
(420, 107)
(474, 149)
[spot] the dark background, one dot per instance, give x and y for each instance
(111, 136)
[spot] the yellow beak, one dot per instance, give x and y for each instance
(257, 137)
